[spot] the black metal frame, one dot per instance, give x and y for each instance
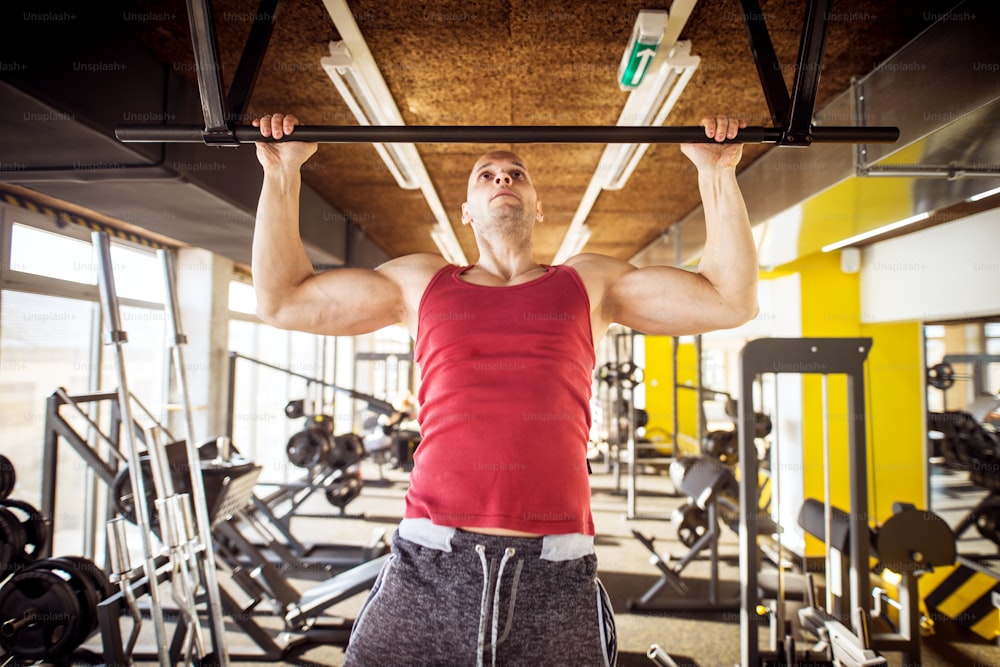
(799, 356)
(791, 114)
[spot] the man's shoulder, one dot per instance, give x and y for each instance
(413, 265)
(592, 264)
(412, 273)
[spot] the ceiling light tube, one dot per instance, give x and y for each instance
(680, 12)
(368, 110)
(878, 231)
(984, 195)
(628, 155)
(648, 105)
(354, 73)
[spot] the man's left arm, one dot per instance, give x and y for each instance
(722, 292)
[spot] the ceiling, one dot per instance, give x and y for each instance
(507, 62)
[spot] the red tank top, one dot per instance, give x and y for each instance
(504, 404)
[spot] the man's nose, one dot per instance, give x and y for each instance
(502, 178)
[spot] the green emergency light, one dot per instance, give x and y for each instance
(646, 37)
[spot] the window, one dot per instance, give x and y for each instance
(242, 298)
(45, 343)
(51, 338)
(51, 255)
(137, 273)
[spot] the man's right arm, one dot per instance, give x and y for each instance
(290, 295)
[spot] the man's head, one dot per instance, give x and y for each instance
(501, 198)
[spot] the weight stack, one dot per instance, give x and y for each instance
(965, 593)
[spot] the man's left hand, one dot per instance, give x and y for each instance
(717, 155)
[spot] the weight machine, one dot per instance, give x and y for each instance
(185, 484)
(705, 482)
(848, 641)
(330, 466)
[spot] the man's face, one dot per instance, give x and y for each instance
(500, 191)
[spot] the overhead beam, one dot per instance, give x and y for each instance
(766, 60)
(253, 57)
(807, 71)
(472, 134)
(206, 59)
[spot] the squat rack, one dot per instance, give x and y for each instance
(790, 113)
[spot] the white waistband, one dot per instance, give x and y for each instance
(554, 547)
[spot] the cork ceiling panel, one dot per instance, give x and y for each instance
(527, 62)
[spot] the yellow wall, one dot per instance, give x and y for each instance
(659, 392)
(894, 410)
(830, 308)
(895, 416)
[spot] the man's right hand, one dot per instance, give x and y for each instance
(281, 155)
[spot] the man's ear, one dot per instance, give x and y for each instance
(539, 215)
(466, 214)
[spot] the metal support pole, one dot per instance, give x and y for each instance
(116, 336)
(857, 462)
(675, 343)
(198, 495)
(701, 425)
(91, 522)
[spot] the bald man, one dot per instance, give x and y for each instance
(493, 562)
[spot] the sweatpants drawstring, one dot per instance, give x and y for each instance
(481, 550)
(507, 554)
(484, 603)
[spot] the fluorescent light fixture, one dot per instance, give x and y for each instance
(878, 231)
(647, 33)
(355, 74)
(984, 195)
(368, 109)
(578, 239)
(648, 106)
(651, 102)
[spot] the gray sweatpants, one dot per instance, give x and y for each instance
(453, 598)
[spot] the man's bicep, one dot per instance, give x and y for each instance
(342, 302)
(660, 300)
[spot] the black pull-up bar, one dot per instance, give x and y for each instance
(514, 134)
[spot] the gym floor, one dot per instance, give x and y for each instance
(699, 639)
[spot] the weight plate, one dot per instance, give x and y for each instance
(85, 588)
(341, 492)
(8, 477)
(307, 448)
(690, 522)
(35, 527)
(347, 450)
(941, 376)
(123, 499)
(12, 534)
(39, 614)
(912, 541)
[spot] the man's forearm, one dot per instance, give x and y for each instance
(729, 260)
(280, 262)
